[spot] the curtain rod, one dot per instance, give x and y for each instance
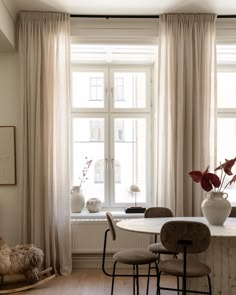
(134, 16)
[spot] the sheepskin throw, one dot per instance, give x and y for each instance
(23, 259)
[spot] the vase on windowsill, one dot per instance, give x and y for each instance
(94, 205)
(77, 199)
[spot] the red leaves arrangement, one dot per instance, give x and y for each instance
(209, 180)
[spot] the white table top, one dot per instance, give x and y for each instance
(153, 225)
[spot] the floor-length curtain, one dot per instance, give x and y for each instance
(44, 55)
(186, 108)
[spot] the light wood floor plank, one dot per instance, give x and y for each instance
(94, 282)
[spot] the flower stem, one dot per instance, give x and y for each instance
(222, 181)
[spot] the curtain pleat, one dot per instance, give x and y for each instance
(44, 55)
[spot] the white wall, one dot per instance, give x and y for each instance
(10, 202)
(7, 29)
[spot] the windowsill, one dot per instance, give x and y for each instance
(85, 215)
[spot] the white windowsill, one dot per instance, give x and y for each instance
(85, 215)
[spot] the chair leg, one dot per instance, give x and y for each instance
(113, 277)
(133, 279)
(149, 269)
(184, 285)
(178, 284)
(137, 279)
(209, 284)
(157, 273)
(158, 283)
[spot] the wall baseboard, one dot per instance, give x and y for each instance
(81, 261)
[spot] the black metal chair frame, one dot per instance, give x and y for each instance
(184, 244)
(135, 274)
(168, 214)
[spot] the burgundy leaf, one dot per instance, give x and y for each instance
(227, 166)
(196, 175)
(205, 183)
(233, 180)
(214, 179)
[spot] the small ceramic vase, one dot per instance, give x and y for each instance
(216, 208)
(77, 199)
(93, 205)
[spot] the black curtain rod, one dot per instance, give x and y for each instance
(134, 16)
(114, 16)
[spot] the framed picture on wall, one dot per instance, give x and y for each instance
(7, 155)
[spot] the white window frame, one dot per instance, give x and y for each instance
(147, 71)
(92, 68)
(109, 113)
(148, 156)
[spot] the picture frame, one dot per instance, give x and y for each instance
(7, 155)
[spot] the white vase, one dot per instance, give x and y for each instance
(93, 205)
(216, 208)
(77, 199)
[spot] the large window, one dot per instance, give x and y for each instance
(111, 115)
(226, 127)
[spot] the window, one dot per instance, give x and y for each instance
(111, 115)
(119, 88)
(99, 171)
(96, 88)
(226, 127)
(96, 130)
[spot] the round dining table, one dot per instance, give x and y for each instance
(220, 256)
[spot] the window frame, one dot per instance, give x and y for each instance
(109, 113)
(229, 113)
(93, 68)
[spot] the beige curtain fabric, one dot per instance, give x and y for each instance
(186, 108)
(44, 55)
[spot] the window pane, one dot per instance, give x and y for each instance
(88, 89)
(88, 141)
(129, 163)
(226, 54)
(129, 90)
(226, 90)
(227, 149)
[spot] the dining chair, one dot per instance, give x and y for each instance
(157, 247)
(133, 257)
(185, 237)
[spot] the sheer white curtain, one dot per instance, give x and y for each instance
(186, 108)
(44, 54)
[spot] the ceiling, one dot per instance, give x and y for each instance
(123, 7)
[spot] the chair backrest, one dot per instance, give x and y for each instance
(233, 212)
(192, 236)
(111, 224)
(154, 212)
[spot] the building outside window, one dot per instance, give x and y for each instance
(119, 86)
(96, 130)
(96, 88)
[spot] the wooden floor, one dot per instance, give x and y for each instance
(94, 282)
